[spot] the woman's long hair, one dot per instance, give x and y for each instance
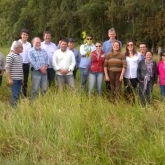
(161, 54)
(127, 51)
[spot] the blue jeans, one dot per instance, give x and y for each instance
(38, 80)
(96, 78)
(83, 78)
(162, 88)
(15, 89)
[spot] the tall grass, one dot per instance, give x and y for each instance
(74, 129)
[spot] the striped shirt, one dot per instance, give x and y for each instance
(115, 62)
(37, 58)
(14, 66)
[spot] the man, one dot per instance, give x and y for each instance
(2, 67)
(64, 63)
(38, 59)
(26, 47)
(14, 71)
(50, 48)
(71, 46)
(85, 51)
(143, 49)
(107, 47)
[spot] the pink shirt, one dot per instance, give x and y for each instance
(161, 72)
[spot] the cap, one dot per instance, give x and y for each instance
(71, 40)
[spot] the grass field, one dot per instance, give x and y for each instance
(74, 129)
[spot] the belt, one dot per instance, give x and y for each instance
(32, 69)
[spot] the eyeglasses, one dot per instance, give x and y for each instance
(98, 46)
(89, 38)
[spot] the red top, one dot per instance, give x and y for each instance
(161, 72)
(97, 61)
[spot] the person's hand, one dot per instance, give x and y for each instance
(10, 80)
(62, 71)
(43, 70)
(121, 78)
(66, 71)
(107, 78)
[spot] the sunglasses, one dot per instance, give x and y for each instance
(130, 45)
(89, 38)
(98, 46)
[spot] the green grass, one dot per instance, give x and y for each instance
(74, 129)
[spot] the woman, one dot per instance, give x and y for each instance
(161, 73)
(96, 69)
(147, 77)
(130, 76)
(114, 68)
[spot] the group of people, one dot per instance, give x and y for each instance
(95, 62)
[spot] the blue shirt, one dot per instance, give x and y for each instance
(37, 58)
(107, 46)
(143, 57)
(77, 56)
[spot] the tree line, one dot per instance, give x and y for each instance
(137, 20)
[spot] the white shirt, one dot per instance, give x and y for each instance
(132, 65)
(84, 62)
(85, 48)
(63, 60)
(24, 54)
(50, 49)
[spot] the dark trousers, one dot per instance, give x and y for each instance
(130, 86)
(25, 74)
(108, 85)
(0, 78)
(51, 76)
(145, 96)
(115, 84)
(74, 72)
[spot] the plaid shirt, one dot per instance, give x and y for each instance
(37, 58)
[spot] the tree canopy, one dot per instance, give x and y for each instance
(141, 21)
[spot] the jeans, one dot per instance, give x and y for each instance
(15, 89)
(83, 78)
(68, 79)
(96, 78)
(162, 88)
(145, 96)
(25, 74)
(38, 80)
(51, 76)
